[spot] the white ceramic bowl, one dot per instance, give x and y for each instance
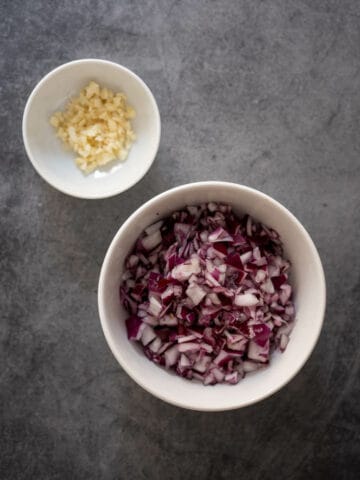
(46, 152)
(309, 294)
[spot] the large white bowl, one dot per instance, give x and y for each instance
(56, 164)
(307, 279)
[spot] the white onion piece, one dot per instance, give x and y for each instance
(148, 335)
(232, 378)
(245, 257)
(155, 306)
(246, 300)
(155, 345)
(218, 374)
(154, 227)
(257, 352)
(284, 340)
(184, 271)
(196, 293)
(171, 356)
(202, 364)
(250, 366)
(187, 338)
(151, 241)
(184, 362)
(189, 347)
(169, 320)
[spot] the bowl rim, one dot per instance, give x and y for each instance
(37, 88)
(106, 262)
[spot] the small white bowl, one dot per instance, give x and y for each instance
(309, 296)
(57, 165)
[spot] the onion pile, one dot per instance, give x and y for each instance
(208, 294)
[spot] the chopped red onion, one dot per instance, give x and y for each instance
(148, 335)
(245, 300)
(208, 294)
(151, 241)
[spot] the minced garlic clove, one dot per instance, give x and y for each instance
(96, 125)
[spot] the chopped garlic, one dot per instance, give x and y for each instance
(96, 125)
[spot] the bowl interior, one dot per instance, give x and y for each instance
(307, 279)
(56, 164)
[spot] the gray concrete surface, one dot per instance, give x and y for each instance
(265, 93)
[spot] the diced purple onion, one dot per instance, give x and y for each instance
(208, 294)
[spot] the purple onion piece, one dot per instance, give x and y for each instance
(208, 294)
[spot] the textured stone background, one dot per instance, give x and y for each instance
(265, 93)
